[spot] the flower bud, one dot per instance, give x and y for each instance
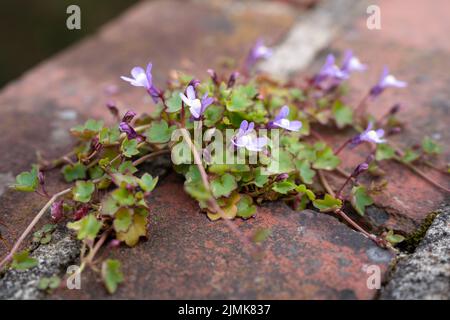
(57, 210)
(129, 115)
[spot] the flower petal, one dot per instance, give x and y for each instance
(190, 92)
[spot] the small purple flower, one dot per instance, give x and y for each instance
(395, 109)
(282, 121)
(369, 135)
(128, 116)
(232, 79)
(360, 169)
(246, 138)
(196, 106)
(143, 78)
(114, 243)
(57, 210)
(352, 64)
(386, 80)
(257, 52)
(131, 133)
(282, 176)
(212, 73)
(330, 71)
(41, 178)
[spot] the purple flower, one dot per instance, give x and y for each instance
(143, 78)
(128, 116)
(257, 52)
(212, 73)
(57, 210)
(246, 138)
(282, 121)
(282, 176)
(330, 71)
(369, 135)
(386, 80)
(352, 63)
(232, 79)
(131, 133)
(114, 243)
(196, 106)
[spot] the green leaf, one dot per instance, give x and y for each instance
(27, 181)
(304, 190)
(123, 197)
(127, 167)
(245, 207)
(23, 261)
(111, 274)
(197, 191)
(49, 283)
(305, 171)
(282, 164)
(384, 152)
(241, 98)
(124, 180)
(360, 199)
(109, 135)
(410, 156)
(147, 182)
(109, 206)
(283, 187)
(223, 185)
(174, 102)
(88, 130)
(327, 204)
(430, 146)
(260, 179)
(129, 147)
(342, 114)
(95, 172)
(136, 230)
(74, 172)
(87, 228)
(159, 132)
(212, 115)
(394, 238)
(326, 160)
(83, 190)
(122, 220)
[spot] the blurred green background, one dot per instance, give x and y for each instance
(32, 30)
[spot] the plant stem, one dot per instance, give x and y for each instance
(325, 183)
(361, 108)
(436, 168)
(338, 194)
(338, 150)
(97, 246)
(31, 226)
(423, 175)
(150, 156)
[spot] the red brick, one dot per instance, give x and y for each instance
(404, 44)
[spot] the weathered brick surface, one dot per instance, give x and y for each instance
(309, 255)
(413, 42)
(37, 110)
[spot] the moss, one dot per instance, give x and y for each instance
(412, 241)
